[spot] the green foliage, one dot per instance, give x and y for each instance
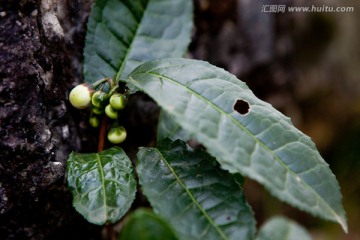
(168, 128)
(280, 228)
(191, 192)
(122, 34)
(261, 143)
(198, 193)
(102, 184)
(145, 225)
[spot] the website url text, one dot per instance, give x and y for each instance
(310, 9)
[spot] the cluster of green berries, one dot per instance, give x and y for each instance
(84, 95)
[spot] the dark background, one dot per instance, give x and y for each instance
(306, 64)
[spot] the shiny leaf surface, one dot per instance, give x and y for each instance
(102, 184)
(190, 191)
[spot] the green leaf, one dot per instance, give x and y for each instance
(168, 128)
(190, 191)
(102, 184)
(145, 225)
(280, 228)
(122, 34)
(258, 141)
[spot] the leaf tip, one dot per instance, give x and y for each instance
(343, 223)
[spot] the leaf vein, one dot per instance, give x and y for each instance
(101, 170)
(264, 146)
(193, 199)
(128, 50)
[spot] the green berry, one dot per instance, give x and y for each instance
(117, 135)
(94, 121)
(117, 101)
(97, 111)
(80, 96)
(110, 112)
(99, 99)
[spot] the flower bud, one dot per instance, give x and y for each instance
(117, 135)
(117, 101)
(80, 96)
(110, 112)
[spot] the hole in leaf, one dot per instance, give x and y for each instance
(242, 107)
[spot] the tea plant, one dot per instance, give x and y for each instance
(136, 45)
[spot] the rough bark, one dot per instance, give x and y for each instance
(40, 47)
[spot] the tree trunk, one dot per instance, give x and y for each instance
(40, 55)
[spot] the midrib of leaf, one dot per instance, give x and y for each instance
(250, 134)
(102, 179)
(131, 43)
(221, 233)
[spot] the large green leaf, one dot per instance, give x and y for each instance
(188, 189)
(102, 184)
(122, 34)
(145, 225)
(258, 142)
(168, 128)
(280, 228)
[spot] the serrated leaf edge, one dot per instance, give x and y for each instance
(339, 219)
(221, 233)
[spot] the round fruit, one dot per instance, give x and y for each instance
(117, 101)
(80, 96)
(98, 99)
(94, 121)
(110, 112)
(97, 111)
(117, 135)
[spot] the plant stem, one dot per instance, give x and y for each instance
(113, 90)
(109, 228)
(100, 81)
(102, 134)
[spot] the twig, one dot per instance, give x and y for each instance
(102, 134)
